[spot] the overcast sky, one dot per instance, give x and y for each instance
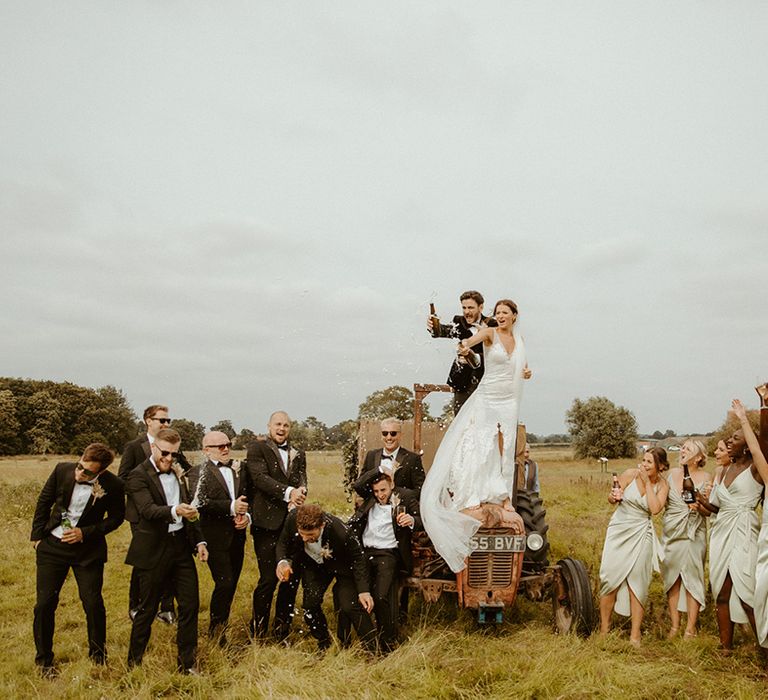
(235, 207)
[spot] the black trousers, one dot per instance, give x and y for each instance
(384, 566)
(54, 560)
(264, 544)
(134, 594)
(315, 578)
(225, 566)
(177, 566)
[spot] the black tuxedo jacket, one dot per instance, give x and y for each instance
(345, 555)
(359, 521)
(409, 475)
(268, 482)
(463, 376)
(145, 491)
(214, 503)
(101, 515)
(134, 453)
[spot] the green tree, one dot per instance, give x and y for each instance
(45, 435)
(10, 441)
(191, 434)
(340, 433)
(225, 426)
(107, 416)
(392, 402)
(599, 428)
(245, 436)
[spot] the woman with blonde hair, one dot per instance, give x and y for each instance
(630, 552)
(684, 541)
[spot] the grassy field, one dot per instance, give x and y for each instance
(446, 655)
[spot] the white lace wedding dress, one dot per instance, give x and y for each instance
(468, 469)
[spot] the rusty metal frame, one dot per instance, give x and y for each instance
(420, 392)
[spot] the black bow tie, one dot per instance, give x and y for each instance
(89, 484)
(284, 446)
(228, 465)
(383, 456)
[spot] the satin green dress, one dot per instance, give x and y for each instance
(684, 547)
(630, 552)
(761, 582)
(733, 541)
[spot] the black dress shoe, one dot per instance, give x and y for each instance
(168, 617)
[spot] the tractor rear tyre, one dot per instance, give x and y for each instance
(572, 603)
(531, 509)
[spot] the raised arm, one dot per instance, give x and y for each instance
(762, 438)
(484, 335)
(758, 458)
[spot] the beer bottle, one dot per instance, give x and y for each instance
(435, 321)
(616, 486)
(689, 490)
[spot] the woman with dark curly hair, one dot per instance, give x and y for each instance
(630, 552)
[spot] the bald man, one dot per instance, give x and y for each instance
(221, 498)
(278, 474)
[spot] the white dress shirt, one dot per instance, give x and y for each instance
(314, 550)
(170, 485)
(380, 532)
(80, 497)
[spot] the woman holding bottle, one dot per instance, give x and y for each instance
(630, 552)
(684, 538)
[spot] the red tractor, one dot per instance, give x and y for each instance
(502, 562)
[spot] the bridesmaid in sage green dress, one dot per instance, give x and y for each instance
(684, 541)
(630, 552)
(758, 450)
(733, 537)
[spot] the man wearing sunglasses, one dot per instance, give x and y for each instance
(164, 539)
(278, 475)
(79, 504)
(221, 497)
(402, 465)
(134, 453)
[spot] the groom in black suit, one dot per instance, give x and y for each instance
(161, 548)
(402, 465)
(465, 376)
(278, 475)
(79, 504)
(221, 497)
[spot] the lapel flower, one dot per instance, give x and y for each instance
(394, 500)
(326, 552)
(395, 466)
(236, 466)
(292, 452)
(98, 491)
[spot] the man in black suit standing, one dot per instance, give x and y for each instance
(79, 504)
(221, 497)
(383, 524)
(464, 375)
(134, 453)
(318, 547)
(278, 476)
(402, 465)
(161, 548)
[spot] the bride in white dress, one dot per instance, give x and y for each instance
(475, 463)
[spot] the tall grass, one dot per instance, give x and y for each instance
(446, 654)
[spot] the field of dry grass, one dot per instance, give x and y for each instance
(446, 655)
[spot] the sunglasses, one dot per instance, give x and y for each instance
(392, 433)
(162, 421)
(225, 446)
(165, 453)
(87, 472)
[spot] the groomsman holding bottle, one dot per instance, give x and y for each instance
(79, 504)
(221, 498)
(166, 535)
(278, 476)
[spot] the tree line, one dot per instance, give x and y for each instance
(42, 416)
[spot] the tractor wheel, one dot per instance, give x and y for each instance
(533, 513)
(572, 602)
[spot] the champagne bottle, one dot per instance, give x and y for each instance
(66, 523)
(435, 321)
(689, 490)
(616, 486)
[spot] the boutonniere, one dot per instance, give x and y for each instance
(98, 491)
(236, 467)
(326, 552)
(292, 452)
(394, 500)
(178, 471)
(395, 465)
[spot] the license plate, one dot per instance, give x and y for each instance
(498, 543)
